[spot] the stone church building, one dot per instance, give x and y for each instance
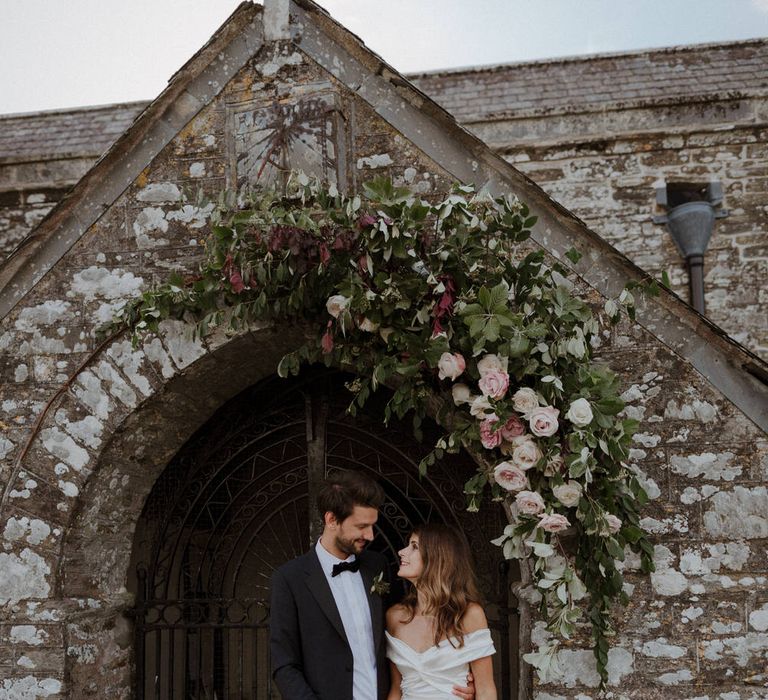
(148, 492)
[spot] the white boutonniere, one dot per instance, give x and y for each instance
(380, 586)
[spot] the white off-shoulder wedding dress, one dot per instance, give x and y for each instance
(432, 673)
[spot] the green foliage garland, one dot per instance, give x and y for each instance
(446, 301)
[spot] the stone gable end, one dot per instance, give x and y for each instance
(115, 415)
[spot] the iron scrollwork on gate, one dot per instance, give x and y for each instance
(237, 502)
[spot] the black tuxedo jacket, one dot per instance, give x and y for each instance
(311, 657)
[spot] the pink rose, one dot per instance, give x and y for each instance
(512, 428)
(525, 453)
(614, 523)
(529, 502)
(510, 477)
(450, 366)
(488, 436)
(554, 522)
(543, 421)
(494, 384)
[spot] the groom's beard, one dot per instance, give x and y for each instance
(350, 546)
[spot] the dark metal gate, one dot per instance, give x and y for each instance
(238, 501)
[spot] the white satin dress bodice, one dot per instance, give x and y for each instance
(431, 674)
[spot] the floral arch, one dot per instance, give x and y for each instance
(446, 303)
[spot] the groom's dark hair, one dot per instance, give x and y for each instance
(342, 491)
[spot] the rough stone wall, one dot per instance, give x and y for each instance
(609, 183)
(696, 629)
(600, 133)
(43, 154)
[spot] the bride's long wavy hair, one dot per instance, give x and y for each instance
(447, 584)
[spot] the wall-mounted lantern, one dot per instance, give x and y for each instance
(690, 218)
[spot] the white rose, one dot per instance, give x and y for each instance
(543, 421)
(510, 477)
(525, 400)
(614, 523)
(481, 408)
(336, 305)
(525, 453)
(461, 394)
(368, 326)
(490, 363)
(580, 413)
(529, 502)
(450, 365)
(568, 494)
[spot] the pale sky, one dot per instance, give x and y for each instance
(69, 53)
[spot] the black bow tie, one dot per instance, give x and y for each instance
(352, 566)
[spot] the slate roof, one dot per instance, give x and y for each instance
(682, 73)
(471, 94)
(84, 131)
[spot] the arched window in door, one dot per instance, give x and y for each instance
(238, 500)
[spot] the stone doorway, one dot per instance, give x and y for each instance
(238, 500)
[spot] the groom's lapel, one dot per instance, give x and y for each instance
(318, 586)
(374, 599)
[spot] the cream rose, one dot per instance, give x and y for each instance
(526, 452)
(613, 523)
(543, 421)
(580, 413)
(494, 384)
(568, 494)
(451, 365)
(367, 325)
(481, 408)
(492, 363)
(461, 394)
(529, 502)
(336, 305)
(555, 465)
(553, 522)
(510, 477)
(488, 436)
(525, 400)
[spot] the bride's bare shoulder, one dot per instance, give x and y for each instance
(474, 618)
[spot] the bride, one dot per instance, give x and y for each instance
(439, 633)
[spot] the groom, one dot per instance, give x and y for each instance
(327, 618)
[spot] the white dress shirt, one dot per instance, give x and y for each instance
(349, 593)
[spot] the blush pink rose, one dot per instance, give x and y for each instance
(450, 365)
(543, 421)
(529, 502)
(526, 452)
(512, 428)
(510, 477)
(554, 522)
(494, 384)
(488, 436)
